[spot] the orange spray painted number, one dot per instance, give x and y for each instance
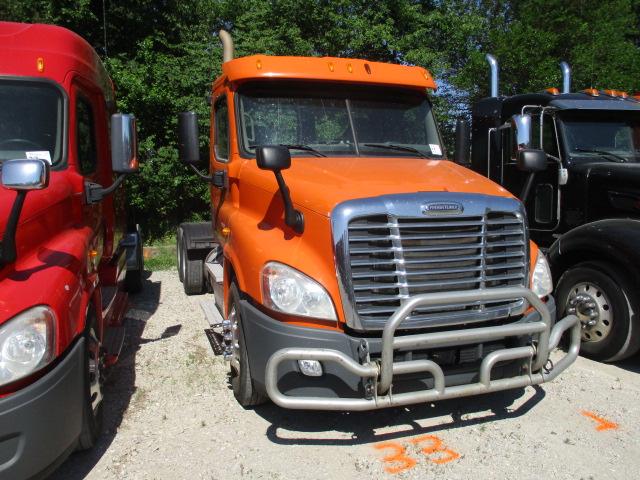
(603, 424)
(432, 447)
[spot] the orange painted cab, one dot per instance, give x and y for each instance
(351, 264)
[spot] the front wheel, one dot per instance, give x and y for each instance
(92, 414)
(601, 297)
(241, 380)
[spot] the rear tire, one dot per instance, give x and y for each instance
(191, 266)
(599, 293)
(92, 415)
(241, 379)
(179, 254)
(133, 278)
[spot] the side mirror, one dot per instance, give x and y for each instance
(30, 174)
(124, 143)
(461, 155)
(521, 125)
(273, 157)
(188, 144)
(530, 160)
(20, 175)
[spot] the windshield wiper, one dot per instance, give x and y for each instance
(295, 146)
(393, 146)
(618, 158)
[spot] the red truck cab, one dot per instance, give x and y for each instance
(67, 257)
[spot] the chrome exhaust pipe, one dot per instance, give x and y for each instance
(566, 77)
(227, 46)
(493, 64)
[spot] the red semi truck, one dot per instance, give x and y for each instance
(67, 255)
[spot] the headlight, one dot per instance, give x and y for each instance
(541, 282)
(26, 343)
(289, 291)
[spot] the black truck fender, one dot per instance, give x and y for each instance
(615, 241)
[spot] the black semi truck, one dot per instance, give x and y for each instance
(582, 203)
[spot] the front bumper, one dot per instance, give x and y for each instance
(370, 384)
(39, 425)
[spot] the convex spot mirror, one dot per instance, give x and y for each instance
(273, 157)
(124, 143)
(188, 144)
(530, 160)
(21, 174)
(521, 125)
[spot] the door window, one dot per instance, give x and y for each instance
(85, 137)
(221, 120)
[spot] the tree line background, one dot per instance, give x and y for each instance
(164, 54)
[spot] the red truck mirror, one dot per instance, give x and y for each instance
(24, 174)
(124, 143)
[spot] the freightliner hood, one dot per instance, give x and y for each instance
(320, 183)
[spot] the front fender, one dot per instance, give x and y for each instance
(613, 240)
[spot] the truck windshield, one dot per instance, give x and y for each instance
(615, 138)
(338, 120)
(31, 120)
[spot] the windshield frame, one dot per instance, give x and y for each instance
(572, 158)
(300, 86)
(64, 158)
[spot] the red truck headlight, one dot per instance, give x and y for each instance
(26, 343)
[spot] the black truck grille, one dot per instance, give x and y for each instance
(392, 258)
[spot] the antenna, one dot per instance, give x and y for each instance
(104, 28)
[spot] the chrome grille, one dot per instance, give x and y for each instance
(391, 258)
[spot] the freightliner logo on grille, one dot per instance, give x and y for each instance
(442, 208)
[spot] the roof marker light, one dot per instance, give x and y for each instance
(258, 64)
(591, 91)
(367, 68)
(40, 64)
(611, 93)
(331, 68)
(553, 91)
(349, 68)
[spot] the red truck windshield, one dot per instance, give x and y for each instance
(31, 120)
(338, 120)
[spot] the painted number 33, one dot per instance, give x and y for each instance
(432, 447)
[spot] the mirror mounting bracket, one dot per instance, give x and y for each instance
(8, 252)
(94, 192)
(292, 217)
(218, 179)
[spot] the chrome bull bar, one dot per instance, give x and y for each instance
(382, 371)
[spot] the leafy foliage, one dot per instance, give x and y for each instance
(163, 55)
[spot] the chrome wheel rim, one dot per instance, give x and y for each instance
(96, 365)
(592, 306)
(235, 343)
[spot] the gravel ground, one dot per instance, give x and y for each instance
(170, 414)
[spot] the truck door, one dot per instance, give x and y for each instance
(542, 205)
(220, 152)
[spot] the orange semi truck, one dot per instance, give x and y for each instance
(352, 266)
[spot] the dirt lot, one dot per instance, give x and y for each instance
(171, 415)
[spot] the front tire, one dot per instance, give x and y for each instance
(191, 265)
(241, 380)
(133, 278)
(92, 415)
(604, 302)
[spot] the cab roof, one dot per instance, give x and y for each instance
(60, 50)
(330, 69)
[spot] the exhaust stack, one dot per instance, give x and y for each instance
(227, 46)
(493, 64)
(566, 77)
